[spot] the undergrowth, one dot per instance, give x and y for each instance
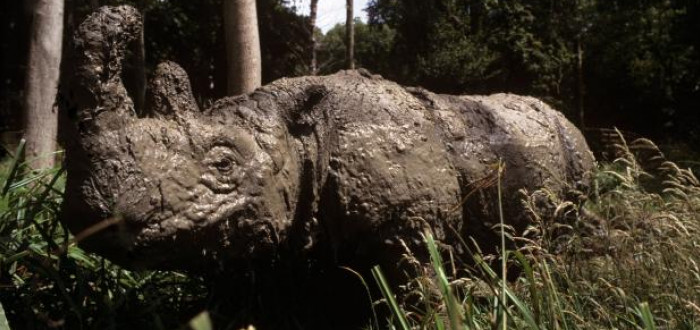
(623, 255)
(47, 281)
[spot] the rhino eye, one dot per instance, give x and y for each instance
(222, 159)
(222, 173)
(223, 165)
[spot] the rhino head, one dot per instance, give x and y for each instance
(175, 184)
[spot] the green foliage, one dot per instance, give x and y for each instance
(640, 60)
(47, 281)
(476, 46)
(372, 48)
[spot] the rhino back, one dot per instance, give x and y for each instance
(400, 159)
(388, 169)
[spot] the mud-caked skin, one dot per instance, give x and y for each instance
(349, 161)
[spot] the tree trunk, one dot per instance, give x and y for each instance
(138, 67)
(242, 46)
(43, 70)
(580, 87)
(313, 11)
(350, 36)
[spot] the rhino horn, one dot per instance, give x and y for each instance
(101, 41)
(169, 94)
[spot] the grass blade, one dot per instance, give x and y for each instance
(533, 289)
(504, 252)
(201, 322)
(14, 168)
(454, 312)
(519, 304)
(644, 312)
(389, 296)
(4, 325)
(369, 294)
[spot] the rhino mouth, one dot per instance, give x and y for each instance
(159, 224)
(164, 243)
(205, 232)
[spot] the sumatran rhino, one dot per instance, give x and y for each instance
(350, 163)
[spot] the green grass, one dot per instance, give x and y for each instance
(623, 255)
(46, 281)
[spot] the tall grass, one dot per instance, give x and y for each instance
(46, 281)
(625, 256)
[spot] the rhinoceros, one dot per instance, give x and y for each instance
(349, 163)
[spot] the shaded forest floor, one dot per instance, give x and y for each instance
(622, 255)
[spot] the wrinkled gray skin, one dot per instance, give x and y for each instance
(349, 160)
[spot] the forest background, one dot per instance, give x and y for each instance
(634, 65)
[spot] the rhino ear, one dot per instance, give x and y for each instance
(169, 94)
(308, 112)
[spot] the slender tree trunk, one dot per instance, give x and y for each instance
(580, 87)
(350, 36)
(43, 70)
(242, 46)
(313, 11)
(138, 49)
